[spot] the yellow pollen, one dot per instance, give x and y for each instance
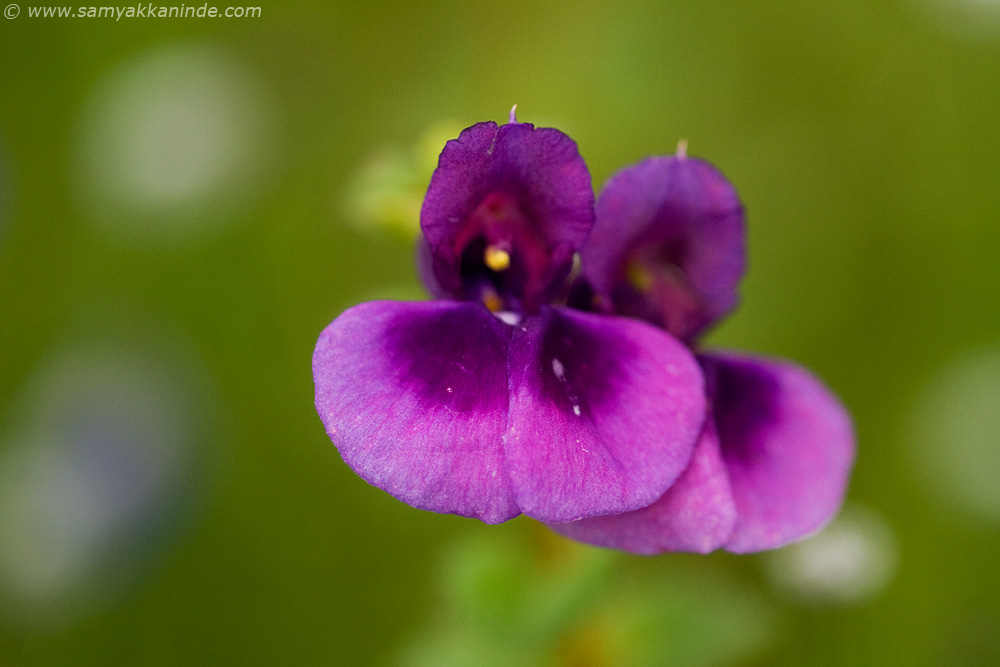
(496, 258)
(639, 276)
(493, 301)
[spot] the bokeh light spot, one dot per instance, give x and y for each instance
(172, 145)
(387, 188)
(99, 456)
(954, 434)
(969, 19)
(848, 562)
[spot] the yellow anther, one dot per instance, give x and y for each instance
(496, 258)
(493, 301)
(639, 276)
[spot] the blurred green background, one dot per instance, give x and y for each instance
(186, 203)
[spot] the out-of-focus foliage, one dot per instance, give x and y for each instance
(186, 203)
(511, 601)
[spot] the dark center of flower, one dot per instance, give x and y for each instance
(656, 288)
(502, 260)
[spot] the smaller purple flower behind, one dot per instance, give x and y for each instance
(668, 246)
(493, 401)
(773, 460)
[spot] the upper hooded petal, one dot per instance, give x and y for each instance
(414, 395)
(697, 513)
(604, 414)
(536, 171)
(668, 244)
(788, 446)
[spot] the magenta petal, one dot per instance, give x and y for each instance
(424, 262)
(604, 414)
(788, 445)
(668, 244)
(696, 514)
(414, 395)
(523, 187)
(542, 166)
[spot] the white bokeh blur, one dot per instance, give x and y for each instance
(173, 146)
(977, 20)
(94, 464)
(953, 434)
(848, 562)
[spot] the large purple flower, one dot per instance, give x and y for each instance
(773, 459)
(494, 400)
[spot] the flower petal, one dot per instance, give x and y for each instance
(696, 514)
(424, 262)
(414, 395)
(788, 445)
(604, 414)
(668, 244)
(535, 175)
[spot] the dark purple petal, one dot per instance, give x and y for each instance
(696, 514)
(788, 445)
(668, 244)
(514, 188)
(604, 414)
(425, 269)
(414, 395)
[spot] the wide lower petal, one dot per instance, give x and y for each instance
(696, 514)
(604, 414)
(414, 395)
(788, 445)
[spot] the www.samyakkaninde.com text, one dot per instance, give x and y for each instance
(143, 11)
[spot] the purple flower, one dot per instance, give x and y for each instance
(773, 459)
(495, 400)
